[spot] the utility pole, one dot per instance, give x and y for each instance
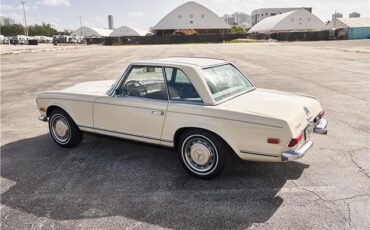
(81, 25)
(335, 18)
(25, 20)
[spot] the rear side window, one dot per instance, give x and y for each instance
(179, 86)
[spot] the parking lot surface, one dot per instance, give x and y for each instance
(108, 183)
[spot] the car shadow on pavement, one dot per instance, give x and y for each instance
(106, 177)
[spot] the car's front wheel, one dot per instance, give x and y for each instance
(202, 153)
(63, 130)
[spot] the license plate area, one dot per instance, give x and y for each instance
(308, 131)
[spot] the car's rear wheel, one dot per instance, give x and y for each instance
(63, 129)
(202, 153)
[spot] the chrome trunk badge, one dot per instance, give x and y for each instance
(307, 111)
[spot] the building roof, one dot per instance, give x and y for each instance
(349, 22)
(297, 20)
(198, 61)
(87, 31)
(191, 15)
(281, 8)
(126, 31)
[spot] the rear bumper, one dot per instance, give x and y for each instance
(291, 155)
(320, 127)
(298, 153)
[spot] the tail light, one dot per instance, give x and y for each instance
(294, 141)
(321, 114)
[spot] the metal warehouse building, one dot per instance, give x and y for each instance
(91, 32)
(354, 28)
(127, 31)
(293, 21)
(189, 19)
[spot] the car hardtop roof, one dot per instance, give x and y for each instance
(197, 61)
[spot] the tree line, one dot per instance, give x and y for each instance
(34, 30)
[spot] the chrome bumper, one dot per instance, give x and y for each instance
(298, 153)
(43, 118)
(320, 127)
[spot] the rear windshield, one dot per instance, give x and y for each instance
(226, 81)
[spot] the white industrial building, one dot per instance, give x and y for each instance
(348, 23)
(86, 31)
(260, 14)
(91, 32)
(127, 31)
(297, 20)
(191, 18)
(352, 28)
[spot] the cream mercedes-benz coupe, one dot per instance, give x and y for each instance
(204, 108)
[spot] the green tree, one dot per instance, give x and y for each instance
(235, 29)
(34, 30)
(11, 30)
(41, 30)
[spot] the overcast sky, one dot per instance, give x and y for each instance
(142, 14)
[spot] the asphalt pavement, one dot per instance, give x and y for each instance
(109, 183)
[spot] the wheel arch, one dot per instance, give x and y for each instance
(53, 107)
(224, 137)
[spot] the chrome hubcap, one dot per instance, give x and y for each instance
(60, 128)
(199, 154)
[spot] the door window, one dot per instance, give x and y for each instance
(144, 82)
(179, 86)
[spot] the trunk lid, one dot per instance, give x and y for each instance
(297, 110)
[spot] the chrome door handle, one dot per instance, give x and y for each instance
(158, 112)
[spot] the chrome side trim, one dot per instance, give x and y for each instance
(259, 154)
(298, 153)
(127, 134)
(66, 99)
(43, 118)
(320, 127)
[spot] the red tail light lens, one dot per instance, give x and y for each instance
(321, 114)
(295, 140)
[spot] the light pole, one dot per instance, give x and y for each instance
(81, 25)
(25, 20)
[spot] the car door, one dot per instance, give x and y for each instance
(137, 108)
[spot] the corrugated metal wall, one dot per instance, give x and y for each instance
(359, 33)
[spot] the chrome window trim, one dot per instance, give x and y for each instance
(118, 83)
(186, 102)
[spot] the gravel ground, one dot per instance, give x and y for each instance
(108, 183)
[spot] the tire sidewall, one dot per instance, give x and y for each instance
(216, 143)
(75, 136)
(52, 117)
(214, 167)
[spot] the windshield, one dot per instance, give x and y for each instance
(226, 81)
(112, 87)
